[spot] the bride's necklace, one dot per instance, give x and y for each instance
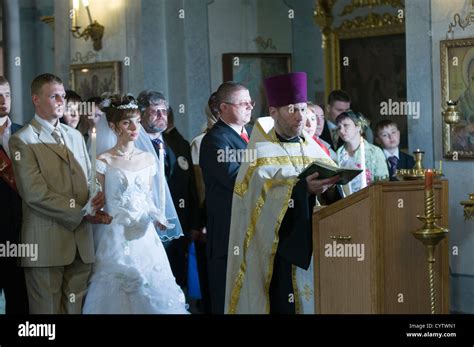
(125, 155)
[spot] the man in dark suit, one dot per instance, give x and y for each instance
(338, 102)
(219, 169)
(179, 172)
(12, 279)
(388, 137)
(182, 182)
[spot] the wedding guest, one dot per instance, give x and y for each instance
(338, 101)
(314, 126)
(71, 115)
(212, 115)
(388, 136)
(351, 126)
(179, 175)
(12, 278)
(229, 133)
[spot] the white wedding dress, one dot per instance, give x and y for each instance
(131, 273)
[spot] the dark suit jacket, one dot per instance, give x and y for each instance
(181, 181)
(405, 161)
(10, 208)
(326, 136)
(219, 179)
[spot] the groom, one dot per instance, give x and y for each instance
(52, 172)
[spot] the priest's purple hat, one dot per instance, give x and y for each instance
(286, 89)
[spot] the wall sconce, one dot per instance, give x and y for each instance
(459, 21)
(94, 30)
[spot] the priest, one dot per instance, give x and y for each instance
(270, 246)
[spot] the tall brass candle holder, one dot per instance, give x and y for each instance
(430, 235)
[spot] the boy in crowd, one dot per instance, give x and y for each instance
(388, 137)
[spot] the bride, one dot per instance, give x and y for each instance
(132, 273)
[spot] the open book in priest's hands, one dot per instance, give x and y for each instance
(327, 170)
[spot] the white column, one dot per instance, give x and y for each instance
(13, 58)
(62, 39)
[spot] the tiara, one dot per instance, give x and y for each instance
(129, 106)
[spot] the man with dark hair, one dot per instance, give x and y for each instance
(338, 102)
(52, 172)
(12, 280)
(232, 102)
(158, 122)
(71, 115)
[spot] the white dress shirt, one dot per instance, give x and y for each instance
(238, 129)
(5, 137)
(395, 153)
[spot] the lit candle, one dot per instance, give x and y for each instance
(93, 160)
(428, 180)
(86, 5)
(75, 11)
(363, 183)
(161, 152)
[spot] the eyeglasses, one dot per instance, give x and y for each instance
(243, 104)
(157, 111)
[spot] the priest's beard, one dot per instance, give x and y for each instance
(288, 132)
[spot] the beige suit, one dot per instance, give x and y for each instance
(53, 184)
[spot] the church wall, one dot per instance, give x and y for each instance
(306, 47)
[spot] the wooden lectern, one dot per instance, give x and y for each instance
(392, 277)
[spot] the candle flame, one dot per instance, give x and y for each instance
(93, 131)
(75, 4)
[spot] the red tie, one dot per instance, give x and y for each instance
(324, 148)
(244, 137)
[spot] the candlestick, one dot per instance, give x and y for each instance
(89, 14)
(363, 183)
(161, 152)
(428, 180)
(430, 234)
(93, 153)
(75, 11)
